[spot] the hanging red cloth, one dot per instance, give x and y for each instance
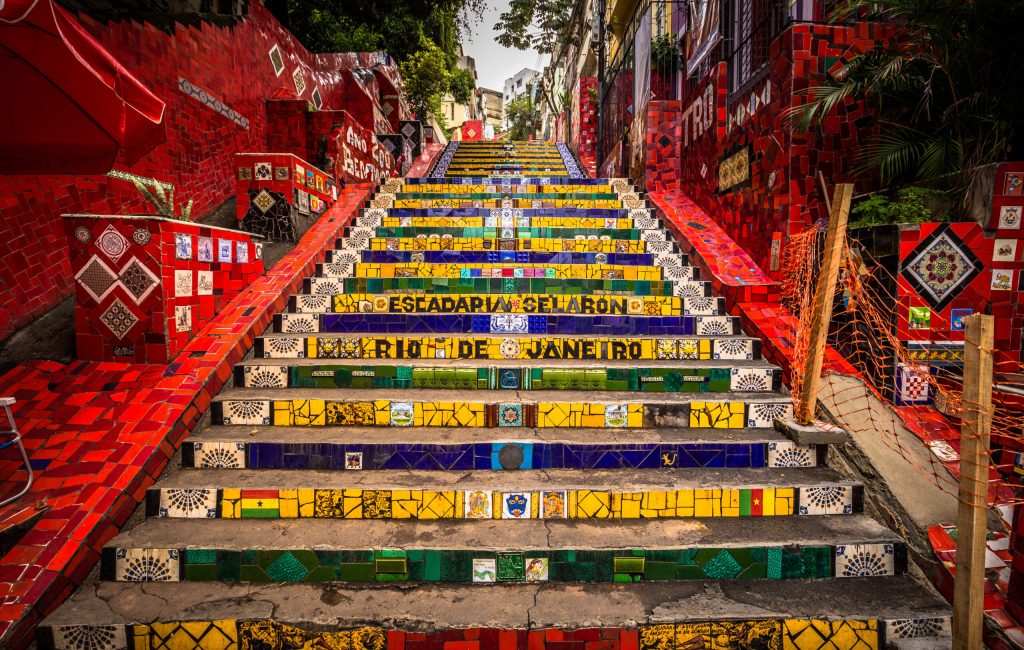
(71, 108)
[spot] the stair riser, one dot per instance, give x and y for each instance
(511, 232)
(492, 348)
(513, 303)
(575, 504)
(375, 221)
(642, 380)
(497, 567)
(510, 244)
(547, 286)
(574, 415)
(497, 456)
(571, 325)
(526, 257)
(525, 212)
(508, 270)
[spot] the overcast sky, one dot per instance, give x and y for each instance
(495, 63)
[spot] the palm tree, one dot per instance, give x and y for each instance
(948, 89)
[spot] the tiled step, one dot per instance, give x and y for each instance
(512, 232)
(507, 213)
(507, 181)
(499, 303)
(527, 494)
(345, 264)
(657, 377)
(512, 195)
(491, 221)
(537, 324)
(489, 551)
(478, 244)
(522, 285)
(454, 408)
(552, 203)
(791, 614)
(510, 346)
(422, 448)
(506, 257)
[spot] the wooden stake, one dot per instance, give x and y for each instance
(971, 528)
(824, 294)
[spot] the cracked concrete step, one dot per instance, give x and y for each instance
(657, 377)
(526, 494)
(455, 408)
(458, 449)
(557, 550)
(521, 347)
(873, 609)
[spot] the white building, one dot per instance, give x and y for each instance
(516, 86)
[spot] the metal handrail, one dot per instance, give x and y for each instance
(15, 440)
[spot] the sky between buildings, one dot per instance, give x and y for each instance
(495, 63)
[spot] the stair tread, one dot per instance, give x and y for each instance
(441, 435)
(603, 337)
(454, 395)
(524, 605)
(482, 534)
(526, 479)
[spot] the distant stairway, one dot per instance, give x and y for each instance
(504, 394)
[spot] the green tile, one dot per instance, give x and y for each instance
(356, 572)
(511, 567)
(201, 572)
(286, 568)
(628, 565)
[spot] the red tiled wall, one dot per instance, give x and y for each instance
(472, 130)
(146, 299)
(754, 213)
(230, 63)
(587, 125)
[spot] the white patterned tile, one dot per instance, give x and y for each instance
(862, 560)
(913, 628)
(146, 565)
(751, 379)
(265, 376)
(246, 412)
(789, 454)
(826, 500)
(299, 323)
(188, 503)
(211, 455)
(89, 637)
(764, 414)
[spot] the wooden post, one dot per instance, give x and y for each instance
(971, 527)
(824, 295)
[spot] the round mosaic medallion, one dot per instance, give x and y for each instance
(510, 348)
(510, 456)
(82, 234)
(141, 236)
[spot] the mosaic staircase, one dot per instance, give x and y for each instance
(504, 374)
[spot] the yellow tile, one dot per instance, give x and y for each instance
(305, 498)
(768, 502)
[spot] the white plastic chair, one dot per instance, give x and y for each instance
(14, 440)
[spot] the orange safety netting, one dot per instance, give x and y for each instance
(880, 401)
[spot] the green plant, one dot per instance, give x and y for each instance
(912, 205)
(461, 86)
(533, 24)
(945, 88)
(426, 76)
(665, 53)
(523, 118)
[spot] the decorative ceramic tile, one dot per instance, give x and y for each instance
(182, 283)
(1004, 250)
(204, 249)
(1002, 280)
(183, 246)
(826, 500)
(912, 384)
(224, 250)
(536, 569)
(228, 455)
(265, 376)
(790, 454)
(616, 416)
(941, 266)
(714, 325)
(96, 278)
(204, 283)
(113, 243)
(183, 318)
(138, 280)
(263, 171)
(764, 414)
(912, 628)
(242, 252)
(515, 505)
(510, 415)
(485, 570)
(146, 565)
(1010, 217)
(860, 560)
(751, 379)
(919, 318)
(188, 503)
(119, 318)
(89, 637)
(246, 412)
(402, 414)
(553, 504)
(478, 504)
(354, 460)
(956, 318)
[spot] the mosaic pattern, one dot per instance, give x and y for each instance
(464, 566)
(941, 266)
(356, 503)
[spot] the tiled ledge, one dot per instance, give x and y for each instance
(99, 434)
